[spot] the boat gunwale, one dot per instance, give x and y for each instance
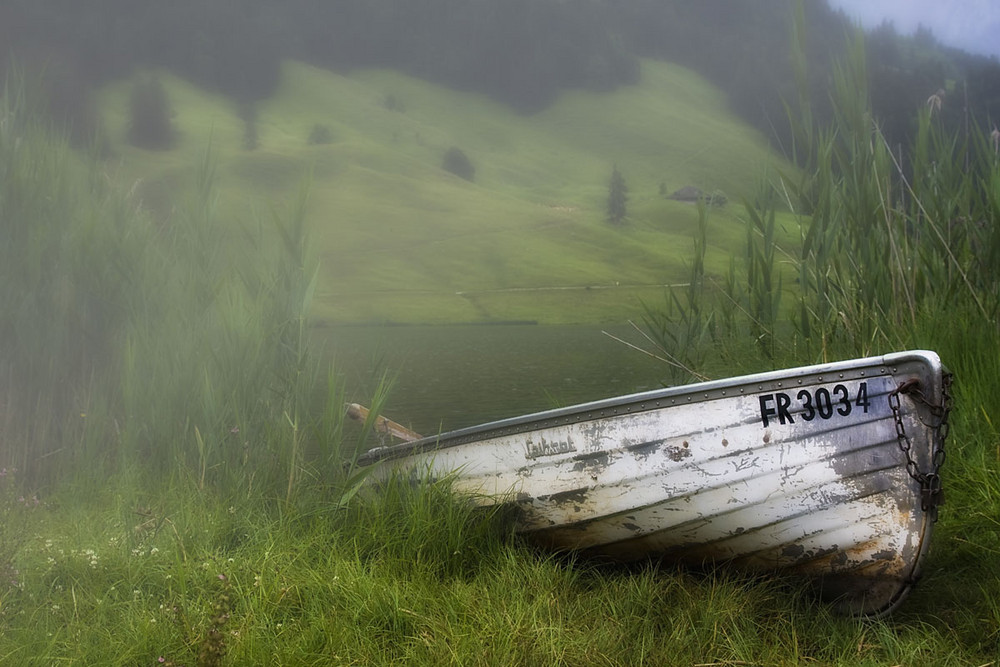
(887, 365)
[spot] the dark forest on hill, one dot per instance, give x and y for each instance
(520, 52)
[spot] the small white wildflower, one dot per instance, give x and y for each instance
(55, 607)
(154, 550)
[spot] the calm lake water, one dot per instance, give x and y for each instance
(448, 377)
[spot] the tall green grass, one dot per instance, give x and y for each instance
(72, 252)
(170, 347)
(892, 244)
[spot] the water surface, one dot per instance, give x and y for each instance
(448, 377)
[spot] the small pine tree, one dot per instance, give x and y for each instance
(617, 198)
(149, 120)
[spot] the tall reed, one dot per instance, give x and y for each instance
(684, 329)
(890, 241)
(174, 347)
(73, 251)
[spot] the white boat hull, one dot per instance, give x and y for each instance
(798, 470)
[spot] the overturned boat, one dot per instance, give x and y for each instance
(828, 471)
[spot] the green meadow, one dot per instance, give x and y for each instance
(177, 479)
(399, 239)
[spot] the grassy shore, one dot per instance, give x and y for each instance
(172, 478)
(127, 575)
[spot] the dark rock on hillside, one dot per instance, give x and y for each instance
(688, 193)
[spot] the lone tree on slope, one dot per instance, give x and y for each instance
(458, 163)
(617, 198)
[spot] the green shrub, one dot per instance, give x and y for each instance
(320, 135)
(150, 125)
(458, 163)
(391, 102)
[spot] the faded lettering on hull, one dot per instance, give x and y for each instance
(540, 446)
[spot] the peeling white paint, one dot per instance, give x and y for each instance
(798, 470)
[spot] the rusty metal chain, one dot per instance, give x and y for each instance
(931, 493)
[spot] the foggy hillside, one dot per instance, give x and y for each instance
(520, 52)
(429, 204)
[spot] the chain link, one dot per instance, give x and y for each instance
(931, 493)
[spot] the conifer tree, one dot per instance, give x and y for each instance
(617, 198)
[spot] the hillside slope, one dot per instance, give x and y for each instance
(399, 239)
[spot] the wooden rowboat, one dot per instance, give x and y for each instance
(828, 471)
